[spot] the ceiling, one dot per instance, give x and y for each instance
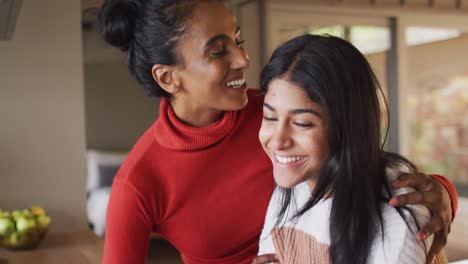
(437, 4)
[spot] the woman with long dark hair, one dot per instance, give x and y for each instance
(322, 131)
(198, 176)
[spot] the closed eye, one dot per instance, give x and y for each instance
(269, 118)
(240, 42)
(304, 124)
(219, 53)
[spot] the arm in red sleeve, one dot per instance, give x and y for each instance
(451, 191)
(128, 226)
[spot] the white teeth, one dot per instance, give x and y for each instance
(286, 160)
(236, 83)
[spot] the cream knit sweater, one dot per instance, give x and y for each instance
(306, 240)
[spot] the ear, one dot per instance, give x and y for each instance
(166, 77)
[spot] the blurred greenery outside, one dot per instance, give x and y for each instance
(439, 130)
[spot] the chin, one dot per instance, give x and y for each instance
(285, 181)
(238, 103)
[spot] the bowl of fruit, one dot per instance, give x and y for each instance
(23, 229)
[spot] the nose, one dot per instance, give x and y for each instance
(241, 59)
(280, 138)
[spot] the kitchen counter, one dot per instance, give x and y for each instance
(80, 247)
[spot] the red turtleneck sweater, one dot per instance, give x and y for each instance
(205, 190)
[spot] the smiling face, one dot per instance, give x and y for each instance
(293, 134)
(214, 63)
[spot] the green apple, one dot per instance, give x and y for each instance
(7, 225)
(27, 212)
(16, 213)
(25, 223)
(18, 239)
(43, 221)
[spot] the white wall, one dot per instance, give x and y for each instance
(118, 110)
(42, 132)
(249, 22)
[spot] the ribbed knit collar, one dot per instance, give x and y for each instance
(171, 133)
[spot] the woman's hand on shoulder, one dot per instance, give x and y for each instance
(433, 195)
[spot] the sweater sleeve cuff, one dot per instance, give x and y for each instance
(451, 190)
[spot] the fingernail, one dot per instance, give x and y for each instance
(393, 202)
(422, 235)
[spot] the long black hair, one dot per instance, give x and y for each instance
(148, 31)
(338, 77)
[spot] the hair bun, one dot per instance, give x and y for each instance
(118, 21)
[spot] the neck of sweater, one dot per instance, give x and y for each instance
(172, 133)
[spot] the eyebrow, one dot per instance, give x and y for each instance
(218, 37)
(295, 111)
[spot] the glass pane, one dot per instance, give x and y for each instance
(370, 39)
(423, 35)
(438, 108)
